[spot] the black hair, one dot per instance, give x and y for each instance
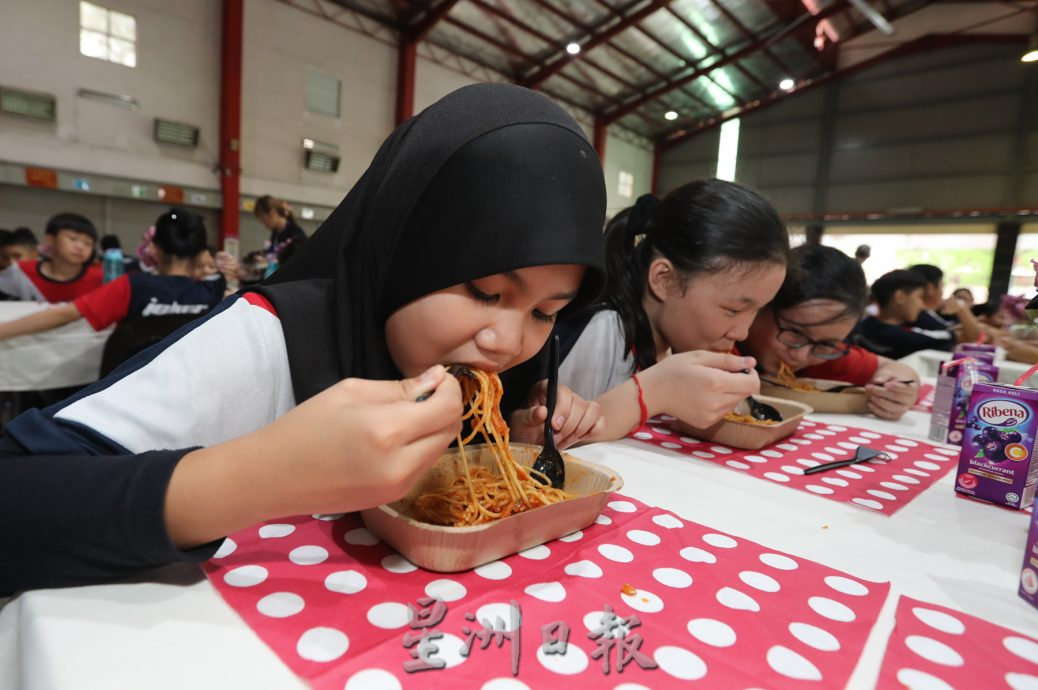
(73, 222)
(25, 236)
(817, 272)
(110, 242)
(863, 251)
(888, 284)
(703, 227)
(180, 233)
(930, 273)
(6, 237)
(290, 248)
(963, 289)
(987, 309)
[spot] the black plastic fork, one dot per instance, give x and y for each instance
(550, 462)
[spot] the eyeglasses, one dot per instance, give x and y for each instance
(822, 349)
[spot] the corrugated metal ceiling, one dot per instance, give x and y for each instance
(701, 60)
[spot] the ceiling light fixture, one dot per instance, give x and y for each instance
(573, 48)
(787, 84)
(670, 115)
(1031, 54)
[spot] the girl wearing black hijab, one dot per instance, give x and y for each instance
(476, 224)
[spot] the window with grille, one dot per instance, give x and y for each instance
(322, 93)
(107, 35)
(625, 186)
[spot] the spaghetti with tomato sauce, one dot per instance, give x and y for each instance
(477, 494)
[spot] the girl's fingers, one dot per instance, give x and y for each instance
(590, 416)
(726, 361)
(361, 391)
(439, 413)
(564, 409)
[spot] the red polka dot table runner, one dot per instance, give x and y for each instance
(937, 648)
(337, 605)
(884, 487)
(924, 403)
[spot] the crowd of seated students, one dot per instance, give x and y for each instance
(436, 256)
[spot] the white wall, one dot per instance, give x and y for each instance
(178, 78)
(625, 153)
(177, 43)
(281, 43)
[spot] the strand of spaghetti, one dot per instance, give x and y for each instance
(476, 503)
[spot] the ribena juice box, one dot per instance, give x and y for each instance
(952, 396)
(982, 353)
(1029, 572)
(997, 462)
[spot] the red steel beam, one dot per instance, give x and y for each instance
(601, 133)
(747, 33)
(432, 18)
(406, 66)
(717, 49)
(922, 44)
(595, 40)
(676, 83)
(407, 57)
(230, 120)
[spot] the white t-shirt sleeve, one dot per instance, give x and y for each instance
(598, 361)
(15, 283)
(224, 379)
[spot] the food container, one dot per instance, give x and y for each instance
(450, 549)
(847, 401)
(748, 435)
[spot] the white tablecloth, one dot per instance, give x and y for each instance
(173, 631)
(927, 362)
(59, 358)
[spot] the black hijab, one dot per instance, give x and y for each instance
(491, 178)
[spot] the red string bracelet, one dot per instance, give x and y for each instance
(641, 402)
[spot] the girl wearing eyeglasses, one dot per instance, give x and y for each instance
(820, 302)
(686, 276)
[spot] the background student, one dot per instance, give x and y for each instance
(686, 276)
(899, 296)
(180, 236)
(22, 246)
(806, 326)
(943, 318)
(285, 235)
(289, 399)
(65, 272)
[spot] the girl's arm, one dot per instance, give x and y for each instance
(80, 518)
(356, 445)
(696, 387)
(45, 320)
(889, 397)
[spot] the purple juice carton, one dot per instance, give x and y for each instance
(981, 353)
(997, 462)
(1029, 572)
(952, 396)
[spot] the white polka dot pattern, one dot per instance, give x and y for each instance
(881, 487)
(933, 647)
(334, 603)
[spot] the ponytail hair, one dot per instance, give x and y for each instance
(180, 233)
(704, 227)
(820, 272)
(267, 204)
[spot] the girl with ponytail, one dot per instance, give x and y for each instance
(285, 235)
(685, 278)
